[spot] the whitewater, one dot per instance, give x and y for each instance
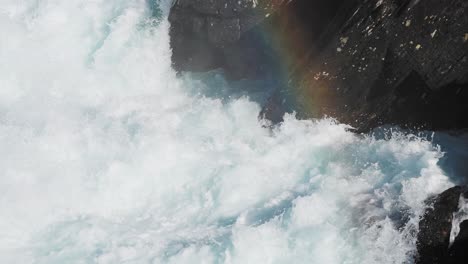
(109, 156)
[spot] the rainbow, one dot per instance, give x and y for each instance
(296, 33)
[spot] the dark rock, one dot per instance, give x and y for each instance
(458, 252)
(274, 108)
(364, 62)
(399, 62)
(244, 39)
(206, 34)
(435, 227)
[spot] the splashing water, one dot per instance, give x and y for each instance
(108, 157)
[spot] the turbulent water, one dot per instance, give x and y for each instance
(108, 157)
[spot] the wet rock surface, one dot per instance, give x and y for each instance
(245, 38)
(395, 62)
(206, 34)
(435, 227)
(458, 252)
(365, 62)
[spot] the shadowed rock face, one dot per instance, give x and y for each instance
(395, 62)
(205, 32)
(243, 37)
(458, 252)
(433, 242)
(364, 62)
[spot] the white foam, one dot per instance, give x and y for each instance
(458, 217)
(108, 158)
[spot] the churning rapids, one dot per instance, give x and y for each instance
(109, 157)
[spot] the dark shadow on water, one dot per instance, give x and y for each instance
(213, 84)
(454, 145)
(455, 160)
(270, 94)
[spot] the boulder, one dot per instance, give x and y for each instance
(433, 241)
(458, 252)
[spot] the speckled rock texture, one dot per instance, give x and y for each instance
(435, 227)
(365, 62)
(395, 62)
